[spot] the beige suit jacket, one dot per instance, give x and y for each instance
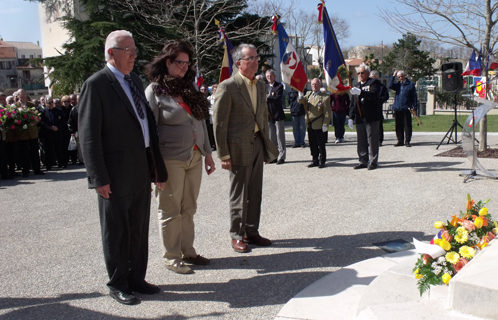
(316, 107)
(234, 119)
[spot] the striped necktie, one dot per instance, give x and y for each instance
(137, 97)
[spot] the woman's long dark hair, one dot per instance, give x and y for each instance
(157, 72)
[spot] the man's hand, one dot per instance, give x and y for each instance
(104, 191)
(226, 164)
(395, 73)
(209, 164)
(300, 95)
(160, 185)
(350, 124)
(325, 128)
(355, 91)
(54, 128)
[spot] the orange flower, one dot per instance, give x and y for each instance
(454, 221)
(470, 204)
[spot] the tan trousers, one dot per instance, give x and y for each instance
(177, 204)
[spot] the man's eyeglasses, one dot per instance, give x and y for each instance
(361, 72)
(181, 63)
(251, 59)
(128, 50)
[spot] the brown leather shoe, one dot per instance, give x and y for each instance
(258, 240)
(239, 246)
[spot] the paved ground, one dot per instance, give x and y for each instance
(319, 220)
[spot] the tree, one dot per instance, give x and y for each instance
(466, 23)
(407, 56)
(372, 62)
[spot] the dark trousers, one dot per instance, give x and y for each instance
(210, 131)
(368, 142)
(317, 139)
(30, 155)
(339, 122)
(381, 131)
(403, 121)
(53, 142)
(124, 223)
(246, 186)
(11, 148)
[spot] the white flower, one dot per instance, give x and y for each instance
(434, 265)
(441, 260)
(437, 270)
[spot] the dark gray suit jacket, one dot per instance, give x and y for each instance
(111, 137)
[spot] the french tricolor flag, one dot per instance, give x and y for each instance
(227, 66)
(292, 69)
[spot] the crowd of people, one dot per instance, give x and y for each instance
(43, 141)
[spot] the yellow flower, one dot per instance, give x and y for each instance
(461, 237)
(461, 230)
(478, 223)
(417, 274)
(483, 212)
(452, 257)
(446, 278)
(496, 224)
(467, 252)
(443, 244)
(439, 224)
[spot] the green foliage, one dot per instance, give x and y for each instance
(314, 72)
(407, 56)
(372, 62)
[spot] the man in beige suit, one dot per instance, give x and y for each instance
(241, 131)
(317, 106)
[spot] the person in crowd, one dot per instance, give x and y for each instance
(42, 104)
(52, 126)
(10, 100)
(11, 145)
(209, 122)
(72, 124)
(260, 77)
(74, 100)
(276, 115)
(317, 105)
(243, 144)
(28, 140)
(366, 109)
(340, 106)
(298, 122)
(384, 96)
(120, 147)
(69, 155)
(4, 170)
(180, 111)
(405, 99)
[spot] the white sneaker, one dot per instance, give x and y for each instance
(337, 140)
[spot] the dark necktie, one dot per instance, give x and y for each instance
(137, 97)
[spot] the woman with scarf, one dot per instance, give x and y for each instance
(180, 112)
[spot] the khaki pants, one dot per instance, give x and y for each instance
(177, 204)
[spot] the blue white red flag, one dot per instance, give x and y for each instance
(477, 71)
(292, 69)
(491, 64)
(332, 54)
(471, 64)
(227, 66)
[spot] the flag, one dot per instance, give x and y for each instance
(332, 54)
(491, 65)
(227, 65)
(292, 69)
(477, 71)
(199, 80)
(471, 64)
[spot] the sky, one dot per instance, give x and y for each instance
(20, 21)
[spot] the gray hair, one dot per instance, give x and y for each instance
(112, 41)
(10, 99)
(237, 52)
(401, 72)
(366, 68)
(374, 73)
(271, 71)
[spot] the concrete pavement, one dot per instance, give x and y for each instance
(320, 220)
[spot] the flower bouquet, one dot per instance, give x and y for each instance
(8, 118)
(21, 118)
(27, 117)
(457, 242)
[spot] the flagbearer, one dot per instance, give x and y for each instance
(276, 115)
(318, 113)
(366, 94)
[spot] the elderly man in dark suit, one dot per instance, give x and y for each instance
(276, 115)
(241, 131)
(120, 147)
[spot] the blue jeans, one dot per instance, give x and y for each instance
(299, 130)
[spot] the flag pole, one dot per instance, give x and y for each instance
(342, 59)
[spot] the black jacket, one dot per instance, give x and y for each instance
(369, 100)
(296, 108)
(274, 101)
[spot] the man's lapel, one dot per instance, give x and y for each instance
(243, 91)
(116, 86)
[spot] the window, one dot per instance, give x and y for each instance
(31, 56)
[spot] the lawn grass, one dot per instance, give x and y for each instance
(434, 123)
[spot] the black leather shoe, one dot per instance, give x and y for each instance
(146, 288)
(281, 161)
(399, 144)
(372, 166)
(360, 166)
(408, 145)
(313, 164)
(258, 240)
(124, 297)
(322, 165)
